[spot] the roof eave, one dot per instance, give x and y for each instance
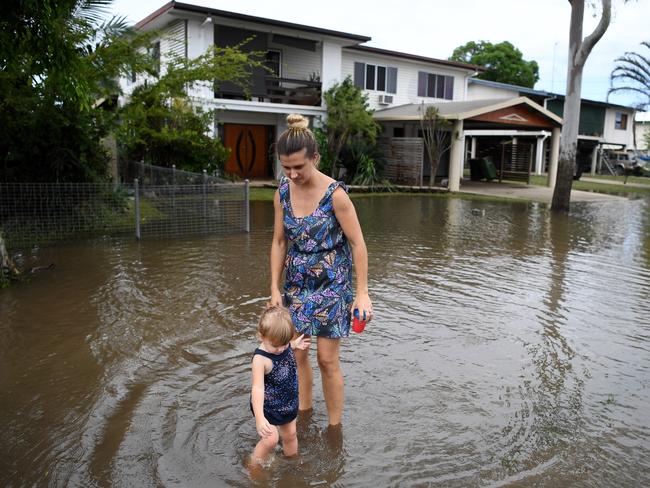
(154, 15)
(474, 112)
(415, 57)
(509, 103)
(186, 7)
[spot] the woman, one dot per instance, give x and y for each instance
(315, 239)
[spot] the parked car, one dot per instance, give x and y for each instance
(624, 163)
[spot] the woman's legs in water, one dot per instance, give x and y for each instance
(305, 380)
(332, 377)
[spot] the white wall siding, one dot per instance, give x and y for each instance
(331, 64)
(199, 38)
(619, 136)
(298, 63)
(479, 92)
(172, 44)
(642, 133)
(407, 77)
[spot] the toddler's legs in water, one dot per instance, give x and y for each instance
(289, 439)
(265, 447)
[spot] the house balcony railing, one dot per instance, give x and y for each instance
(280, 90)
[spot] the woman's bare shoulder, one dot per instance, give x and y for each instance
(340, 198)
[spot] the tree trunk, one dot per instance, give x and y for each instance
(434, 171)
(442, 145)
(337, 147)
(8, 269)
(579, 50)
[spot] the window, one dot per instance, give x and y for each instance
(435, 86)
(374, 77)
(272, 62)
(370, 76)
(621, 121)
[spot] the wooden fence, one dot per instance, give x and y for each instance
(404, 159)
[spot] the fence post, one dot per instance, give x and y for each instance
(137, 208)
(422, 159)
(247, 206)
(174, 189)
(205, 200)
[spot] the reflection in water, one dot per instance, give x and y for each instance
(550, 410)
(510, 348)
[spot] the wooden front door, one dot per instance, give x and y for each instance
(249, 150)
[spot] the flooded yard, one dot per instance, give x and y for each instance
(511, 347)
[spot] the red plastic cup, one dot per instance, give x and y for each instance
(357, 324)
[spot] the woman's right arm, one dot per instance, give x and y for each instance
(278, 251)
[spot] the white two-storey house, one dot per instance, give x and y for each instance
(304, 61)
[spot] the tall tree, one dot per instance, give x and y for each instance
(159, 124)
(57, 57)
(632, 74)
(503, 62)
(579, 50)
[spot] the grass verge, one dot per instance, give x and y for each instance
(611, 188)
(266, 195)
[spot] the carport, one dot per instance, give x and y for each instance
(511, 119)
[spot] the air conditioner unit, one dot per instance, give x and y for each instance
(385, 99)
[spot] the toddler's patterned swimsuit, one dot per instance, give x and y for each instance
(280, 387)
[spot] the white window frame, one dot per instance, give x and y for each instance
(374, 88)
(434, 95)
(386, 71)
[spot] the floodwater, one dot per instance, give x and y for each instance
(510, 348)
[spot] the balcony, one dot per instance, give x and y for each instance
(277, 90)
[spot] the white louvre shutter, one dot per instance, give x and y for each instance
(176, 38)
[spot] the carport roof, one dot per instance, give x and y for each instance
(461, 110)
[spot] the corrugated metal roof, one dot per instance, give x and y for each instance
(541, 93)
(508, 86)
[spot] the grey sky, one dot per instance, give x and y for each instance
(539, 28)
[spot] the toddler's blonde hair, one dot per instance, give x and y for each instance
(275, 326)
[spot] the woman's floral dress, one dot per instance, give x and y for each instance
(318, 268)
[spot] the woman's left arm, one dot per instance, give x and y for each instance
(347, 217)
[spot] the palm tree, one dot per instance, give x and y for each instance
(91, 11)
(632, 74)
(108, 45)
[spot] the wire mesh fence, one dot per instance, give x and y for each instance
(38, 213)
(179, 210)
(150, 175)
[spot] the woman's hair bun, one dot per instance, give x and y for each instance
(297, 122)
